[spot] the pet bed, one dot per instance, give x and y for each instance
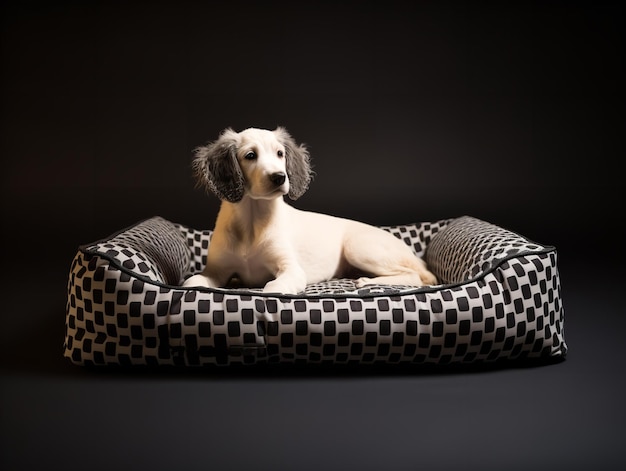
(499, 299)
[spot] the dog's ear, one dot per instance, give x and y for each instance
(216, 167)
(298, 164)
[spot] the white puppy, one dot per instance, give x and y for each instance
(262, 241)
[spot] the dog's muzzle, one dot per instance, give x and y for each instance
(278, 178)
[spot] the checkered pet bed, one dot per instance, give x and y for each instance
(500, 298)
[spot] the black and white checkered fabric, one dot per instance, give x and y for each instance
(500, 299)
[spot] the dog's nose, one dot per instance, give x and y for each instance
(278, 178)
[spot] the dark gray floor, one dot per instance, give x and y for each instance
(568, 415)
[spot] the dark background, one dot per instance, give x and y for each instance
(512, 112)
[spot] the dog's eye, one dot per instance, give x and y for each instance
(250, 156)
(280, 153)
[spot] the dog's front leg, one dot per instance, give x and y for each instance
(290, 279)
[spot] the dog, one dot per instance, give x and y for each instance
(263, 242)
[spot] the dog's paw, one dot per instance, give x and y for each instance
(363, 281)
(197, 281)
(282, 287)
(428, 278)
(278, 287)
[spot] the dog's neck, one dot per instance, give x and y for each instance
(247, 219)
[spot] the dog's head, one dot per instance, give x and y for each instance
(260, 163)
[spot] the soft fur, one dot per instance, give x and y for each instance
(261, 241)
